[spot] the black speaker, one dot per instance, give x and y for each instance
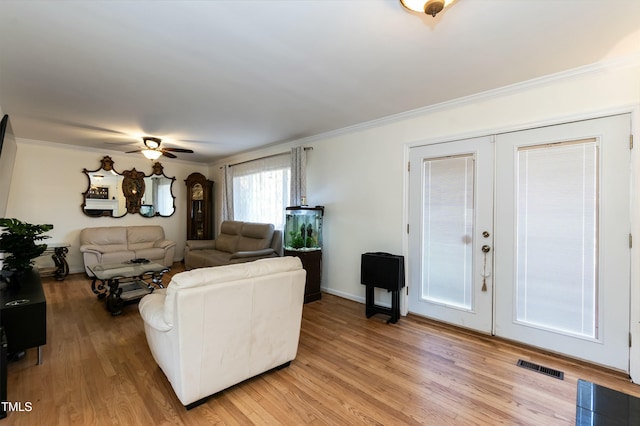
(382, 270)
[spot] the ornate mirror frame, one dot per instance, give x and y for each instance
(159, 198)
(103, 196)
(113, 194)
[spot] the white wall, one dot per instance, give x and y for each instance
(359, 174)
(48, 183)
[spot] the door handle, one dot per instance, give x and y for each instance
(485, 249)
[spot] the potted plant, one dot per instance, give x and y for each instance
(18, 241)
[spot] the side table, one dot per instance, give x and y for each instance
(58, 252)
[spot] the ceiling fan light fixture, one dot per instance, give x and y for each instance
(151, 154)
(430, 7)
(151, 142)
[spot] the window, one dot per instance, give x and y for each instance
(261, 190)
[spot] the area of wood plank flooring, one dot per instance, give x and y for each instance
(97, 369)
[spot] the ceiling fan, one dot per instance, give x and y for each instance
(153, 151)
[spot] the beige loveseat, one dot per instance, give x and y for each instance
(212, 328)
(238, 242)
(115, 244)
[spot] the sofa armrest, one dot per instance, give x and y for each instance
(165, 244)
(151, 309)
(253, 253)
(91, 248)
(201, 244)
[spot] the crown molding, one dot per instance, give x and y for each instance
(616, 63)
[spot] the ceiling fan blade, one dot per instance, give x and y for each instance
(120, 143)
(168, 154)
(189, 151)
(130, 152)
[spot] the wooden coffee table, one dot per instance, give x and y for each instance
(124, 282)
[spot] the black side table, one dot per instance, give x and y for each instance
(58, 252)
(382, 270)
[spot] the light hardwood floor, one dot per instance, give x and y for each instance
(98, 370)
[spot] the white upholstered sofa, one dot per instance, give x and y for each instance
(212, 328)
(116, 244)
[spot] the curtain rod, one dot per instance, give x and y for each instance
(265, 157)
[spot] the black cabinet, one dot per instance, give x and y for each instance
(23, 314)
(3, 373)
(312, 263)
(23, 322)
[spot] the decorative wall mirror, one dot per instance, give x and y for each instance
(115, 194)
(104, 197)
(158, 197)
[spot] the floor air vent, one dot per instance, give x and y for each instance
(540, 369)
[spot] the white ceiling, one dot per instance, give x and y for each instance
(222, 77)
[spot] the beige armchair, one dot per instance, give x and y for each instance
(212, 328)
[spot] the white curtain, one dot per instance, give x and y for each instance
(298, 175)
(261, 189)
(227, 193)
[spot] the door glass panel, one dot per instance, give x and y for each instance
(557, 244)
(448, 206)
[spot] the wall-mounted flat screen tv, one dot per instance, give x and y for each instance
(8, 149)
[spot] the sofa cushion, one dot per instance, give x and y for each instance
(143, 237)
(255, 236)
(229, 234)
(224, 274)
(105, 236)
(208, 258)
(152, 253)
(117, 257)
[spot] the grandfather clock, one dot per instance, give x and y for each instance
(199, 207)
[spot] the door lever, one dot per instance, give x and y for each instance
(485, 249)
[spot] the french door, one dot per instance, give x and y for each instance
(555, 269)
(451, 221)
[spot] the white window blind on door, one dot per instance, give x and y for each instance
(448, 230)
(557, 237)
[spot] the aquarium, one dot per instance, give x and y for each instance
(303, 228)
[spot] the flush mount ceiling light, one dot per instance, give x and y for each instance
(430, 7)
(151, 154)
